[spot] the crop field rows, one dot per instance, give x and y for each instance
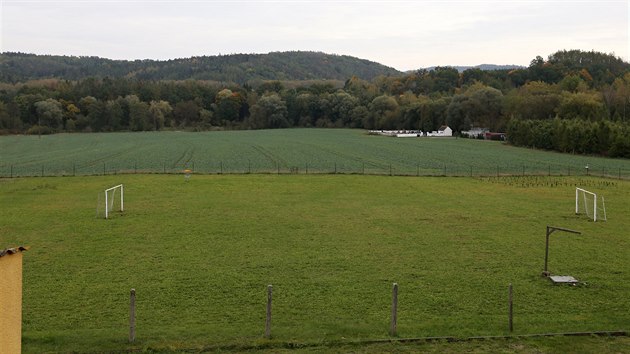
(293, 151)
(201, 252)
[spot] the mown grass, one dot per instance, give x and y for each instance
(201, 253)
(283, 150)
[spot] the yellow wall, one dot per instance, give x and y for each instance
(11, 303)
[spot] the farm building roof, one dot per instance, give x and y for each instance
(10, 251)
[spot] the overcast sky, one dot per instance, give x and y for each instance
(402, 34)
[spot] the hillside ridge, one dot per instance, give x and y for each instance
(237, 68)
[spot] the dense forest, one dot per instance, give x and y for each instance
(236, 68)
(574, 101)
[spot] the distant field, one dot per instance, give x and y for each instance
(283, 151)
(201, 253)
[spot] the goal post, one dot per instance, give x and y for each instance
(110, 199)
(587, 202)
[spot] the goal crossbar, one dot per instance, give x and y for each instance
(107, 200)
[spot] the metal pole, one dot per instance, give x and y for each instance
(550, 230)
(545, 272)
(268, 320)
(392, 329)
(510, 309)
(132, 316)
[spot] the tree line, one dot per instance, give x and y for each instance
(572, 102)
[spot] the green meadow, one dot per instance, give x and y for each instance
(201, 253)
(284, 151)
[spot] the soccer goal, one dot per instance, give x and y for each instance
(590, 204)
(114, 200)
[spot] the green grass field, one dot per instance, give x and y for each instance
(201, 253)
(283, 150)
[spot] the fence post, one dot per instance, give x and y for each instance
(335, 167)
(307, 168)
(444, 169)
(164, 167)
(221, 164)
(510, 309)
(417, 170)
(392, 328)
(132, 315)
(390, 169)
(249, 166)
(363, 169)
(11, 171)
(268, 321)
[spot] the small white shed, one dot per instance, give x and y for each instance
(445, 131)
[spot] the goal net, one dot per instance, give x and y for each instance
(113, 201)
(590, 204)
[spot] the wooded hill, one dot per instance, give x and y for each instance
(235, 68)
(574, 101)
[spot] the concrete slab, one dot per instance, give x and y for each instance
(563, 279)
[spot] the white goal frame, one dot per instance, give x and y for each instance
(584, 193)
(122, 199)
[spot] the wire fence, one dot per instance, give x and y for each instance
(357, 168)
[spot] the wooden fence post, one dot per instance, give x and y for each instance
(392, 328)
(132, 316)
(268, 321)
(510, 309)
